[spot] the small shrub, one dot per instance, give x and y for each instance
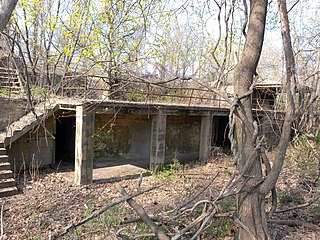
(303, 157)
(220, 229)
(141, 228)
(285, 199)
(167, 170)
(227, 205)
(111, 217)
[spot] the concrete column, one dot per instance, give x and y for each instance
(84, 146)
(205, 137)
(158, 140)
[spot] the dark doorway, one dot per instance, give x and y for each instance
(222, 130)
(65, 139)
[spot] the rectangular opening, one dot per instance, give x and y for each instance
(65, 140)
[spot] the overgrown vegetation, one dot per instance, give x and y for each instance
(167, 170)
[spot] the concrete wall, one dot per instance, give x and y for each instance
(124, 137)
(34, 146)
(182, 138)
(11, 110)
(128, 137)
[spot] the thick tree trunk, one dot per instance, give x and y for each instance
(251, 211)
(6, 10)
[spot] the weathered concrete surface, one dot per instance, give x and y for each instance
(121, 136)
(35, 149)
(11, 110)
(205, 137)
(84, 145)
(111, 174)
(182, 138)
(158, 140)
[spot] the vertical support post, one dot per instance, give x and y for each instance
(158, 140)
(84, 146)
(205, 137)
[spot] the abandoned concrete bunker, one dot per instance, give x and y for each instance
(86, 135)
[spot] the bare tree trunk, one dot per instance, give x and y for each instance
(250, 202)
(6, 10)
(254, 188)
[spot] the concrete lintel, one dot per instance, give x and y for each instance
(84, 146)
(205, 137)
(158, 140)
(189, 112)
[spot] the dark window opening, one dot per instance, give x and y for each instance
(65, 139)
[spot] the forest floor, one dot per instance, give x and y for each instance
(51, 203)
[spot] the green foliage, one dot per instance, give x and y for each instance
(285, 198)
(107, 220)
(220, 229)
(4, 91)
(141, 228)
(111, 218)
(37, 238)
(89, 206)
(303, 157)
(227, 205)
(317, 138)
(315, 210)
(167, 170)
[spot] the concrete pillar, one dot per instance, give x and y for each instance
(84, 146)
(158, 141)
(205, 137)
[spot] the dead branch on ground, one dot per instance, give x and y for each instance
(294, 223)
(126, 237)
(142, 213)
(100, 211)
(311, 201)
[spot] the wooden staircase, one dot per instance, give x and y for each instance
(7, 182)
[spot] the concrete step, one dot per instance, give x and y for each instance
(3, 151)
(6, 174)
(8, 182)
(5, 166)
(9, 191)
(4, 158)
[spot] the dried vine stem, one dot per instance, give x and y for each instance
(196, 195)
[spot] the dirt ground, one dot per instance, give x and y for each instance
(52, 203)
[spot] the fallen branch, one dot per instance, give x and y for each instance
(155, 219)
(294, 223)
(99, 212)
(311, 201)
(142, 213)
(126, 237)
